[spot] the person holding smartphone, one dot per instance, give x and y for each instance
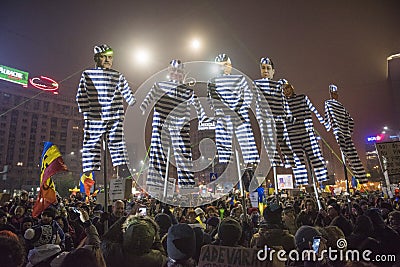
(310, 238)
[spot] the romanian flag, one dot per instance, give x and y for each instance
(86, 183)
(355, 183)
(233, 201)
(51, 163)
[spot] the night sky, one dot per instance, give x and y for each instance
(312, 43)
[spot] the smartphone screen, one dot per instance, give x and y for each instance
(142, 211)
(316, 243)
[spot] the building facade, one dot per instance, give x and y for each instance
(28, 118)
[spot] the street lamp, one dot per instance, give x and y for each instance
(142, 56)
(196, 44)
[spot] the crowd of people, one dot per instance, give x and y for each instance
(146, 232)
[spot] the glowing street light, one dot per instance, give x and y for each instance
(142, 56)
(196, 44)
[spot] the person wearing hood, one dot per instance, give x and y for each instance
(271, 231)
(133, 241)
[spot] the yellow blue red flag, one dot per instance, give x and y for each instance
(86, 183)
(51, 163)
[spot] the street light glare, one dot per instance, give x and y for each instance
(196, 44)
(142, 56)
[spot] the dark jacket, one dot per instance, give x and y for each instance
(273, 237)
(115, 256)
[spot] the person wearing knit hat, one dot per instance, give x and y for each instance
(164, 222)
(272, 115)
(181, 243)
(229, 232)
(133, 241)
(230, 98)
(213, 221)
(47, 218)
(271, 231)
(304, 237)
(339, 120)
(104, 113)
(304, 240)
(138, 236)
(212, 227)
(49, 212)
(273, 214)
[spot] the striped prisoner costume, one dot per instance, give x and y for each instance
(230, 98)
(100, 100)
(303, 139)
(170, 128)
(338, 119)
(270, 99)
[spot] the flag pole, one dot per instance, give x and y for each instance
(242, 190)
(345, 174)
(105, 179)
(314, 182)
(166, 175)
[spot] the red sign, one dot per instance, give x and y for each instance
(45, 84)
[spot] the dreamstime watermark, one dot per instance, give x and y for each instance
(331, 254)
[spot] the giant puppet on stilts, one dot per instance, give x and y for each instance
(170, 127)
(302, 137)
(100, 99)
(339, 120)
(272, 112)
(230, 97)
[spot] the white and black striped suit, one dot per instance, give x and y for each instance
(230, 98)
(100, 99)
(272, 116)
(303, 139)
(170, 128)
(339, 120)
